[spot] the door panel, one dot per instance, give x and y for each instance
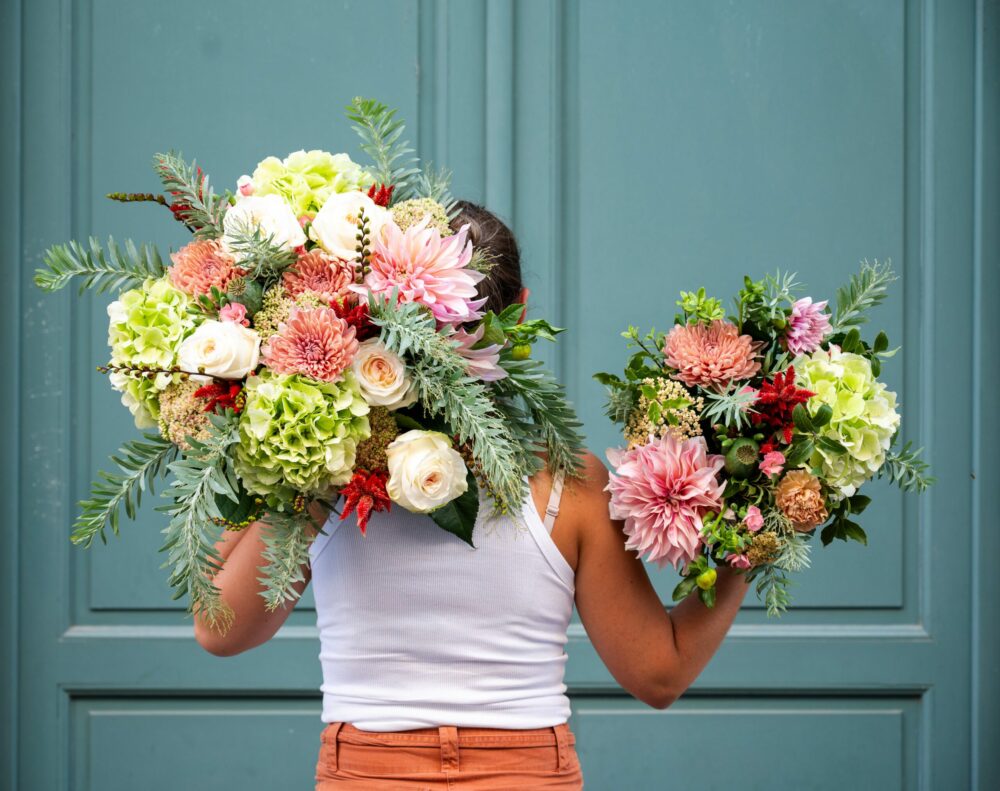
(638, 149)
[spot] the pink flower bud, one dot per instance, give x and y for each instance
(235, 312)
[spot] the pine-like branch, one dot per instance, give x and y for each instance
(194, 202)
(286, 550)
(117, 270)
(141, 462)
(202, 474)
(380, 133)
(866, 290)
(907, 470)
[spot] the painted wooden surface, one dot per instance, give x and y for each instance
(637, 149)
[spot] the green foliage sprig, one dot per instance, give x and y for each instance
(190, 188)
(445, 389)
(202, 474)
(866, 290)
(263, 259)
(118, 270)
(907, 470)
(286, 550)
(141, 462)
(380, 132)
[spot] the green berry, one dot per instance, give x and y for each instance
(706, 579)
(521, 351)
(741, 457)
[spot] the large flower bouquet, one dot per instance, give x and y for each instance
(748, 433)
(319, 338)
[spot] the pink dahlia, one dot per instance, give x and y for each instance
(807, 326)
(484, 363)
(319, 272)
(662, 490)
(425, 268)
(712, 356)
(200, 265)
(312, 341)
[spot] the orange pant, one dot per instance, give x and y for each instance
(447, 758)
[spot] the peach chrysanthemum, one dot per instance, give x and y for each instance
(663, 490)
(711, 356)
(800, 498)
(314, 342)
(319, 272)
(202, 264)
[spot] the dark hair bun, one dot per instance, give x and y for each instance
(487, 232)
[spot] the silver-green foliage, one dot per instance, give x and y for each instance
(201, 474)
(445, 389)
(866, 290)
(380, 132)
(286, 551)
(118, 270)
(141, 462)
(190, 188)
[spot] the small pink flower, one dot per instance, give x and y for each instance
(662, 491)
(754, 520)
(807, 327)
(315, 342)
(484, 363)
(772, 463)
(738, 561)
(236, 312)
(245, 186)
(305, 219)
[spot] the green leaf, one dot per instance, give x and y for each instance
(829, 533)
(117, 271)
(407, 423)
(822, 416)
(609, 380)
(866, 290)
(653, 412)
(459, 516)
(852, 342)
(800, 416)
(881, 343)
(800, 450)
(854, 532)
(858, 503)
(831, 445)
(707, 596)
(684, 588)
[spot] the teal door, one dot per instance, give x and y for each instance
(638, 148)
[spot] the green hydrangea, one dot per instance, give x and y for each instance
(305, 179)
(299, 434)
(146, 327)
(864, 416)
(410, 212)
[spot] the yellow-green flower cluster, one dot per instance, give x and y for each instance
(305, 179)
(181, 414)
(277, 305)
(410, 212)
(864, 416)
(146, 327)
(299, 435)
(675, 412)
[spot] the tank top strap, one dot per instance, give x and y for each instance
(552, 509)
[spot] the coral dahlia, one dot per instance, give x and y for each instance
(314, 342)
(662, 490)
(711, 356)
(319, 272)
(200, 265)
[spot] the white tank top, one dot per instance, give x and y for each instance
(418, 629)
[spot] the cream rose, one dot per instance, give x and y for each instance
(425, 472)
(335, 228)
(270, 214)
(225, 350)
(382, 376)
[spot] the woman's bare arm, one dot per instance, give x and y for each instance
(253, 625)
(654, 654)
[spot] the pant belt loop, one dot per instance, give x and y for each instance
(562, 746)
(448, 735)
(334, 737)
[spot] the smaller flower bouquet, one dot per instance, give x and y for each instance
(319, 339)
(746, 434)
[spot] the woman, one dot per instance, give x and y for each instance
(442, 664)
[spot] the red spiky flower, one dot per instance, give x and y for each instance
(776, 400)
(222, 394)
(381, 195)
(357, 316)
(365, 493)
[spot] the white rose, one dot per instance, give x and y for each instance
(425, 472)
(225, 349)
(382, 376)
(335, 228)
(270, 214)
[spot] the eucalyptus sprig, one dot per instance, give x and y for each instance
(194, 201)
(119, 269)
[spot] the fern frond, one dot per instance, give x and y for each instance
(865, 291)
(118, 270)
(286, 551)
(380, 131)
(191, 533)
(140, 462)
(200, 208)
(794, 551)
(772, 587)
(907, 470)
